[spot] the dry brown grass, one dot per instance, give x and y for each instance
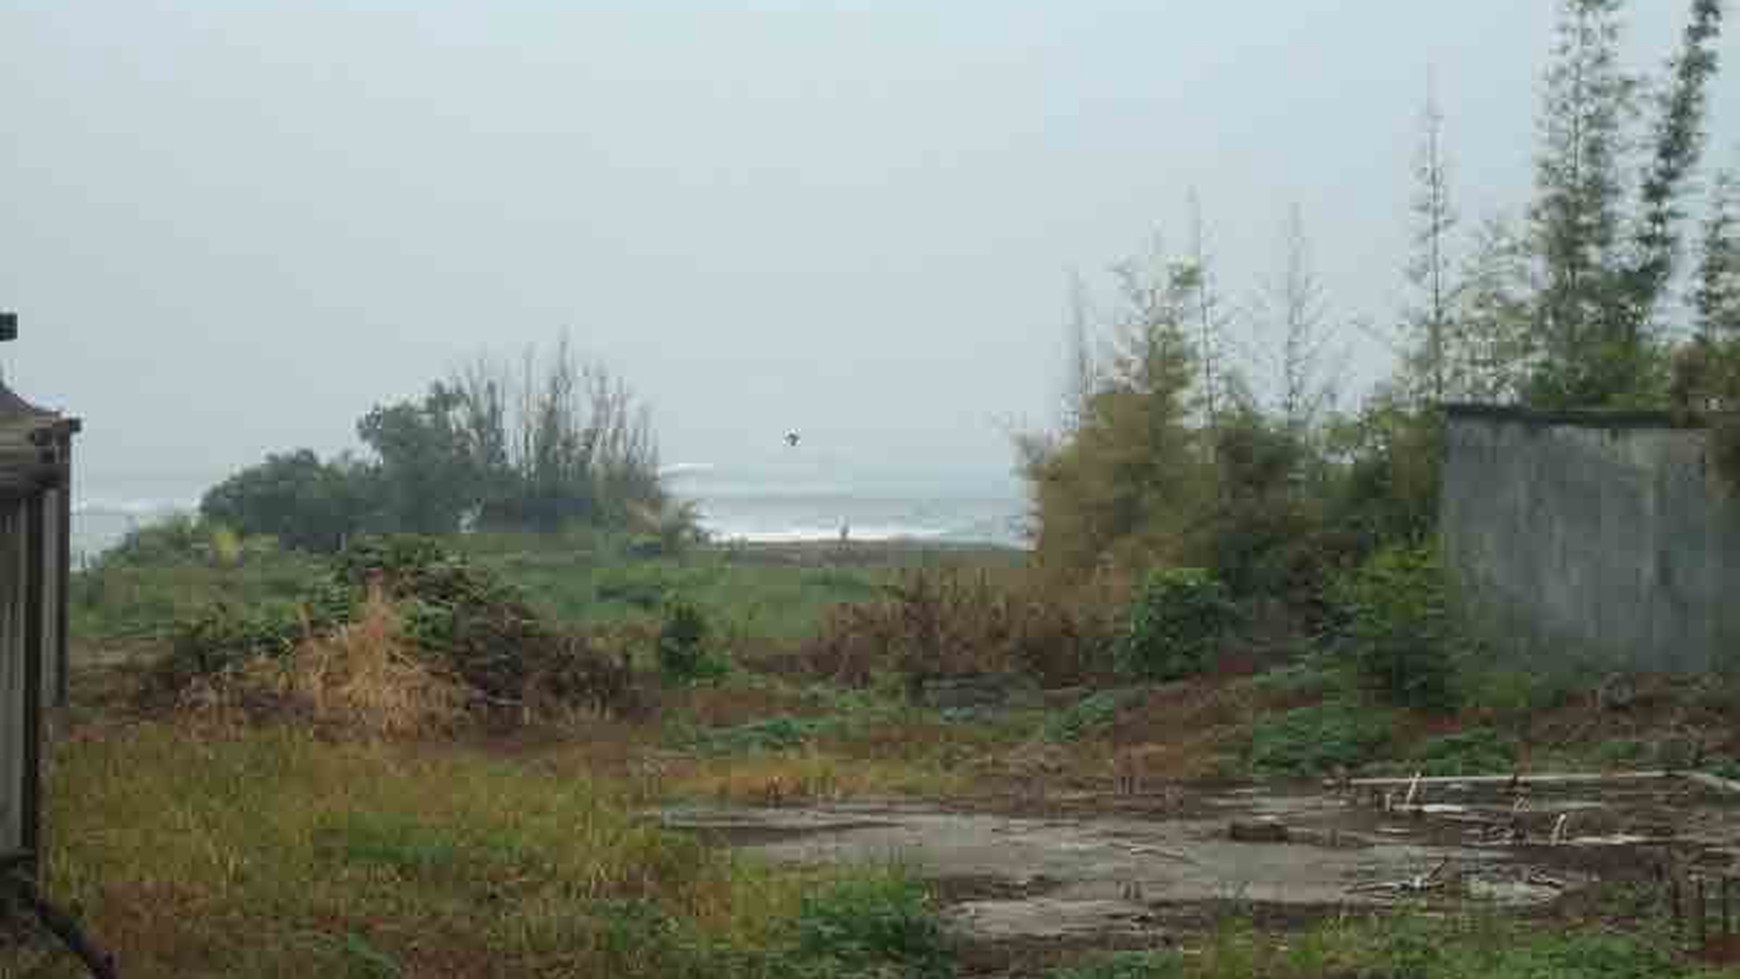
(952, 623)
(806, 777)
(364, 679)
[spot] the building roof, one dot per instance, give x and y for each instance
(30, 445)
(1586, 417)
(12, 406)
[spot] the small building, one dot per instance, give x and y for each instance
(35, 559)
(1592, 539)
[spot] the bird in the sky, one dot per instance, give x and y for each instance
(792, 439)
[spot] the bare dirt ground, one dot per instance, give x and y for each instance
(1078, 872)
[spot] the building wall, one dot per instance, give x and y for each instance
(13, 571)
(1592, 543)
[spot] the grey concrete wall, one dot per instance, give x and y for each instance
(1584, 543)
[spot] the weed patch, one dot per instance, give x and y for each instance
(773, 734)
(876, 925)
(402, 633)
(1396, 626)
(1340, 734)
(937, 624)
(1090, 715)
(1481, 751)
(682, 646)
(273, 853)
(1173, 626)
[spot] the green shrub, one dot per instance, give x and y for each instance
(1514, 694)
(642, 586)
(1395, 622)
(1090, 714)
(224, 634)
(1482, 751)
(305, 502)
(175, 540)
(1621, 752)
(476, 627)
(1565, 957)
(773, 734)
(683, 653)
(1309, 678)
(1317, 740)
(874, 926)
(1174, 625)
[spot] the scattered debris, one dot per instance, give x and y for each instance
(1411, 885)
(1709, 781)
(1266, 830)
(1043, 917)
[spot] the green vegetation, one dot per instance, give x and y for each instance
(272, 853)
(682, 645)
(560, 443)
(1479, 751)
(1397, 628)
(1197, 517)
(1338, 734)
(396, 599)
(873, 926)
(1405, 945)
(1090, 715)
(1176, 624)
(1128, 965)
(165, 574)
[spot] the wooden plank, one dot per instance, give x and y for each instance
(48, 557)
(11, 675)
(63, 579)
(1709, 781)
(30, 802)
(1567, 779)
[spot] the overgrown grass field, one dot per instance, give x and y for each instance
(210, 839)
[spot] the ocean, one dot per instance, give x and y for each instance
(754, 507)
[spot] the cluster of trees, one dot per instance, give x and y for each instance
(529, 447)
(1166, 455)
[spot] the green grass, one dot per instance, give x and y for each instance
(1401, 945)
(121, 601)
(1317, 740)
(1478, 751)
(1089, 716)
(578, 579)
(595, 581)
(271, 853)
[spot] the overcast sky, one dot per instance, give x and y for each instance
(231, 227)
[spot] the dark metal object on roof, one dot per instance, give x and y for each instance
(8, 326)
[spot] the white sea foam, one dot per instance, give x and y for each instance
(100, 507)
(685, 468)
(802, 535)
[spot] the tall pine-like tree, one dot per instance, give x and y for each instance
(1081, 364)
(1678, 144)
(1578, 210)
(1431, 346)
(1716, 295)
(1211, 319)
(1495, 336)
(1297, 310)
